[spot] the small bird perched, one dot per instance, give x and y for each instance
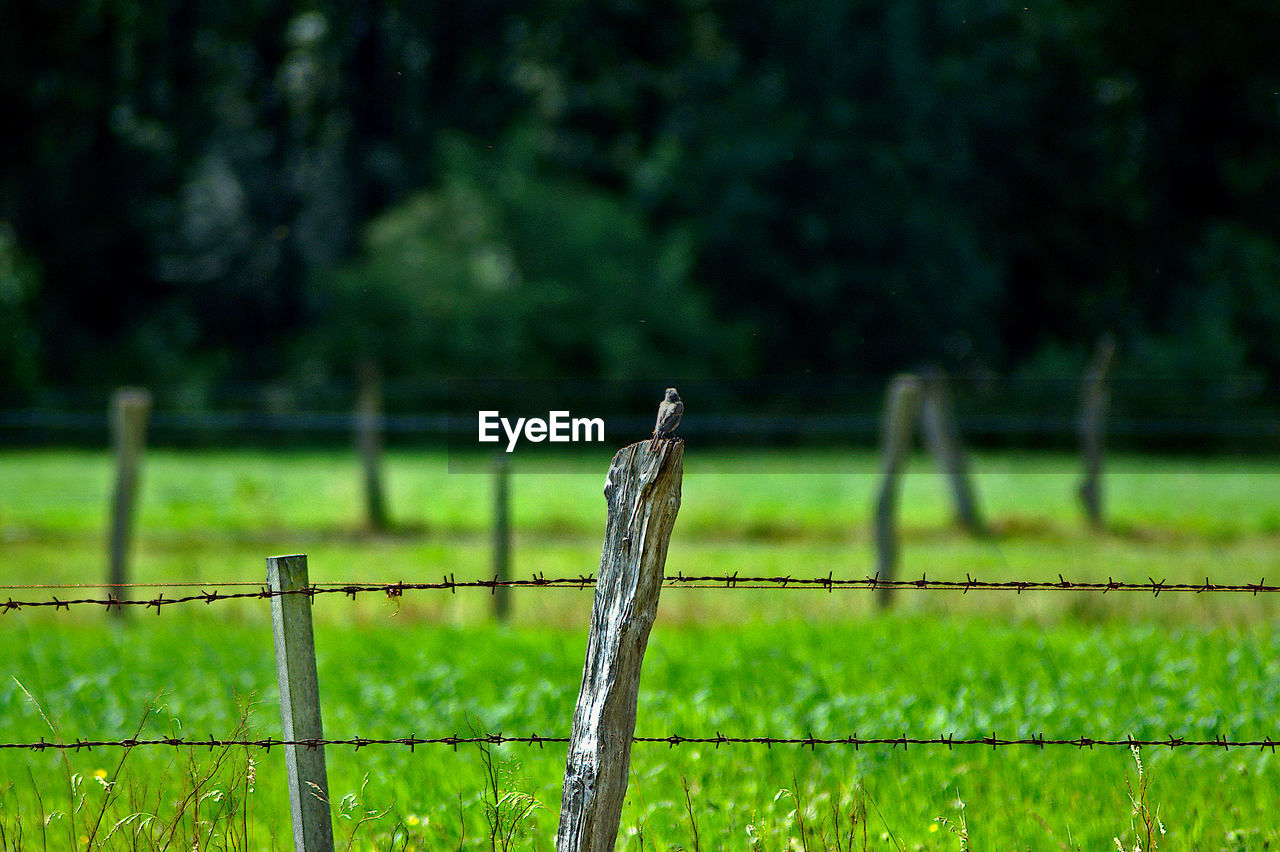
(669, 414)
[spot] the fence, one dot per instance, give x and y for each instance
(928, 397)
(643, 493)
(828, 583)
(717, 740)
(312, 744)
(804, 407)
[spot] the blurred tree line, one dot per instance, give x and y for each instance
(202, 193)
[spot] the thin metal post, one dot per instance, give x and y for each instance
(300, 703)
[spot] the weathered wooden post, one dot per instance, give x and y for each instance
(642, 491)
(942, 435)
(897, 426)
(1095, 395)
(369, 442)
(299, 703)
(501, 535)
(130, 408)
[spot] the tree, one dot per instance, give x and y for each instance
(19, 339)
(505, 271)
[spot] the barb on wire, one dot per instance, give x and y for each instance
(968, 584)
(950, 741)
(583, 581)
(390, 590)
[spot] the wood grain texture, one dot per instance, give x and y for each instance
(642, 491)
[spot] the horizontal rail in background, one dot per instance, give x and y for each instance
(841, 426)
(828, 583)
(673, 740)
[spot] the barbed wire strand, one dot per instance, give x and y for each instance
(673, 740)
(828, 583)
(187, 584)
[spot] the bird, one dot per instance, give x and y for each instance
(669, 414)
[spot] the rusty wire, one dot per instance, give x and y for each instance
(673, 740)
(448, 583)
(968, 584)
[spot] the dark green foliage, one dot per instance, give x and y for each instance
(849, 187)
(503, 271)
(19, 341)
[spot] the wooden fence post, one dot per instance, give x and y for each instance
(902, 407)
(369, 442)
(642, 491)
(130, 408)
(300, 703)
(943, 437)
(501, 535)
(1094, 398)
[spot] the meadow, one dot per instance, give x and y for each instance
(738, 662)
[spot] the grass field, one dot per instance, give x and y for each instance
(741, 663)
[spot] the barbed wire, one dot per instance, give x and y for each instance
(673, 740)
(449, 583)
(968, 584)
(188, 584)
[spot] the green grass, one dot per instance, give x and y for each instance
(814, 494)
(884, 677)
(781, 663)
